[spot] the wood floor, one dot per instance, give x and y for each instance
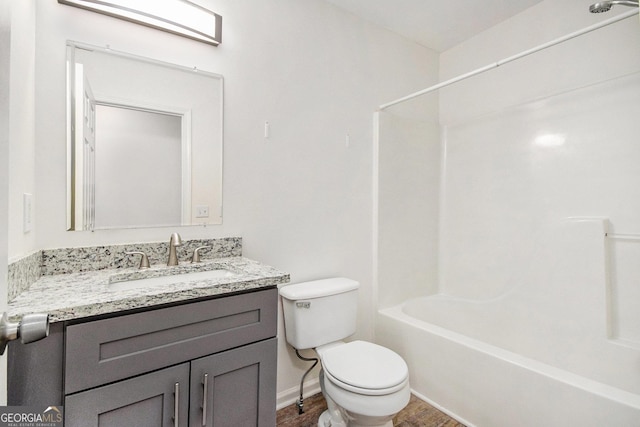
(416, 414)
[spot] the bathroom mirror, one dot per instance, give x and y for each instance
(144, 142)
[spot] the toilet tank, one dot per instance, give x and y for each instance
(319, 312)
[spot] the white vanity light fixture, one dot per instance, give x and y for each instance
(180, 17)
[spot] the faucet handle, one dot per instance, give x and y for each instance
(196, 253)
(144, 260)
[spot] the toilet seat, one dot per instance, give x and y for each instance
(365, 368)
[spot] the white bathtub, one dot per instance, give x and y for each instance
(542, 354)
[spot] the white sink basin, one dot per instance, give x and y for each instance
(153, 282)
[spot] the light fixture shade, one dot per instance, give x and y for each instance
(180, 17)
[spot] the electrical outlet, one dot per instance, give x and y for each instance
(202, 211)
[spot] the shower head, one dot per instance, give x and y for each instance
(605, 6)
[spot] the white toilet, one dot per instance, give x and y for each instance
(363, 383)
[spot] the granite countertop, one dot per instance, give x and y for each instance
(85, 294)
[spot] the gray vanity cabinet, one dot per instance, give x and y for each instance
(214, 358)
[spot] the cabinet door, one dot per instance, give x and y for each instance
(151, 400)
(235, 388)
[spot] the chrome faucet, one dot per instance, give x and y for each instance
(174, 242)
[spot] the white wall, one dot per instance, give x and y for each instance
(5, 109)
(22, 129)
(302, 200)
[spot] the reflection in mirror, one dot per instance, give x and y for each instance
(144, 142)
(128, 138)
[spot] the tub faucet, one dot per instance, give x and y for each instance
(174, 242)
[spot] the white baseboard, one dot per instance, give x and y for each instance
(291, 396)
(440, 408)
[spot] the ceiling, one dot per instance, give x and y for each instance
(436, 24)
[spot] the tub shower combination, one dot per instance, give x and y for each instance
(517, 301)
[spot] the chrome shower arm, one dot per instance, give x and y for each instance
(605, 6)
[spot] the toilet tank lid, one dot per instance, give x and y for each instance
(318, 288)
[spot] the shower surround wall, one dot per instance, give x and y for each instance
(409, 164)
(538, 162)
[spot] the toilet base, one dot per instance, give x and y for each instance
(326, 421)
(336, 416)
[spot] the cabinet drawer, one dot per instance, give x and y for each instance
(112, 349)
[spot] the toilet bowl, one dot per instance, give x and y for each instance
(367, 384)
(363, 383)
